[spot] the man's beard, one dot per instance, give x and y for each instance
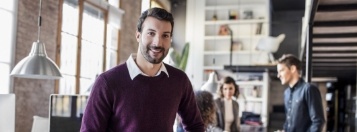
(145, 52)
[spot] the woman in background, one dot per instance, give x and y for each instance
(227, 107)
(207, 109)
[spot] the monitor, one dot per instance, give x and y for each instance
(7, 114)
(66, 112)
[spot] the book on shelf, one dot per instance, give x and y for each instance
(259, 27)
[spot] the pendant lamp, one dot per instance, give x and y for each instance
(212, 83)
(37, 65)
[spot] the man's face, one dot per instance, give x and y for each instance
(228, 90)
(284, 73)
(154, 39)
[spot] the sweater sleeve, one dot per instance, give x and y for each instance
(99, 107)
(189, 112)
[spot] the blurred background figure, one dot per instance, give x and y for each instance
(206, 105)
(227, 106)
(208, 110)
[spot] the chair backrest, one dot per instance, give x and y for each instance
(40, 124)
(7, 112)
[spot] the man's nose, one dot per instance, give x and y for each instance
(157, 41)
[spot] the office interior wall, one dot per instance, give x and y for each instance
(127, 40)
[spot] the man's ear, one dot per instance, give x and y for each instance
(293, 68)
(138, 36)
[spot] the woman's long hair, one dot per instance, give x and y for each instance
(207, 107)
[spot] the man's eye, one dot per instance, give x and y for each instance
(166, 36)
(151, 33)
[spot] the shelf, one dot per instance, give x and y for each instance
(242, 21)
(254, 99)
(213, 68)
(227, 37)
(232, 2)
(256, 68)
(250, 82)
(233, 6)
(234, 52)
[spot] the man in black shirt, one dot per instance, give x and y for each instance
(303, 105)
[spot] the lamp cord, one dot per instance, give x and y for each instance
(39, 22)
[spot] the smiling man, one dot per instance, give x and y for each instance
(303, 105)
(144, 94)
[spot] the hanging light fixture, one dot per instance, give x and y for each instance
(37, 65)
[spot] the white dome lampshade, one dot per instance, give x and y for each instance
(212, 83)
(37, 65)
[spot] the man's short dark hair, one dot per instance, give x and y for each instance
(290, 60)
(157, 13)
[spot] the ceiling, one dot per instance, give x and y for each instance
(287, 5)
(334, 40)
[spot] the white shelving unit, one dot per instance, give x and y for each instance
(255, 102)
(211, 51)
(246, 31)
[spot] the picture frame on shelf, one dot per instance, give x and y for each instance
(248, 14)
(224, 30)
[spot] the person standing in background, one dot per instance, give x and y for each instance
(144, 94)
(228, 108)
(303, 105)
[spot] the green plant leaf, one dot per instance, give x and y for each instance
(184, 57)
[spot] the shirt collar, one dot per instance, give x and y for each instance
(135, 71)
(297, 84)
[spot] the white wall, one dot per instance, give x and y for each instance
(194, 35)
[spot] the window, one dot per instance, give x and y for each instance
(146, 4)
(155, 3)
(7, 36)
(89, 45)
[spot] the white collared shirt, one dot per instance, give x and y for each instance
(135, 71)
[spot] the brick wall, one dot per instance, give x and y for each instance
(32, 95)
(128, 43)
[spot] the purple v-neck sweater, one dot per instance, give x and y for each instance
(119, 104)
